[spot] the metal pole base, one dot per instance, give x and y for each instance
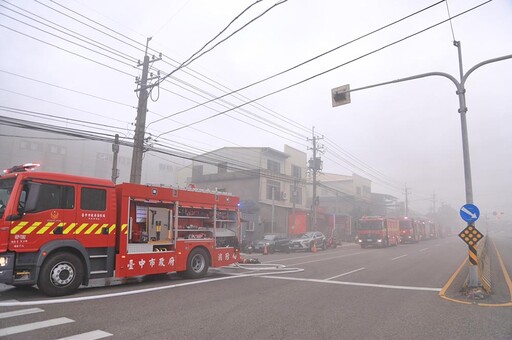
(473, 279)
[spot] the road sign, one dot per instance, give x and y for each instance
(471, 235)
(469, 212)
(340, 95)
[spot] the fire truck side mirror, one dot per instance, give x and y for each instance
(13, 217)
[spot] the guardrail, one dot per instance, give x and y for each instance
(484, 265)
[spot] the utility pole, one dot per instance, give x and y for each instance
(434, 204)
(115, 150)
(140, 122)
(315, 165)
(406, 202)
(273, 209)
(294, 200)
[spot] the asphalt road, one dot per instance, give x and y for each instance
(342, 293)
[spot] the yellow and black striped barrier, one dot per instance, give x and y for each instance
(471, 236)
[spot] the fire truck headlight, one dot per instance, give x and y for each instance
(360, 240)
(379, 240)
(3, 261)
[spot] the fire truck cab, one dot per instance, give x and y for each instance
(59, 231)
(378, 231)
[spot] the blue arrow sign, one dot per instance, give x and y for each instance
(469, 213)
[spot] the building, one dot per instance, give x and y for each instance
(81, 156)
(269, 182)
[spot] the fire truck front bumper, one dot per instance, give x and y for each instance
(376, 241)
(6, 268)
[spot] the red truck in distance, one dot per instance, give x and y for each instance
(378, 231)
(409, 230)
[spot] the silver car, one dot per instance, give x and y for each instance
(308, 241)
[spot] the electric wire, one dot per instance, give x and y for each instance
(330, 69)
(312, 59)
(69, 41)
(192, 58)
(68, 31)
(68, 51)
(67, 89)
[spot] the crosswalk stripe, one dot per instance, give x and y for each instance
(88, 336)
(5, 315)
(33, 326)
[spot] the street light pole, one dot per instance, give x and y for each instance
(463, 109)
(473, 279)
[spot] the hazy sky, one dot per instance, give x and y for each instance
(399, 135)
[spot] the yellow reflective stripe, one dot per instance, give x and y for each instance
(91, 228)
(18, 227)
(68, 229)
(45, 228)
(61, 224)
(100, 229)
(124, 228)
(82, 227)
(112, 227)
(30, 229)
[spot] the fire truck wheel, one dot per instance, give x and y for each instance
(61, 274)
(197, 264)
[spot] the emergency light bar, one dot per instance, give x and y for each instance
(22, 168)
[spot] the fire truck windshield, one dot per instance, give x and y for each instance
(372, 225)
(6, 186)
(405, 225)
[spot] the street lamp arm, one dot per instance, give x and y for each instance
(418, 76)
(482, 64)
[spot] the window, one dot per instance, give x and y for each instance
(273, 187)
(296, 172)
(222, 167)
(42, 196)
(273, 166)
(93, 199)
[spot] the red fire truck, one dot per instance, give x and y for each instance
(59, 231)
(409, 230)
(378, 231)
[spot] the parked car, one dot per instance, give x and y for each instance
(307, 240)
(274, 242)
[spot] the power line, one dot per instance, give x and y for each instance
(192, 58)
(67, 89)
(310, 60)
(329, 70)
(65, 50)
(67, 40)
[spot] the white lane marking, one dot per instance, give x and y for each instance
(33, 326)
(98, 297)
(20, 312)
(423, 249)
(88, 336)
(398, 257)
(347, 273)
(310, 255)
(324, 259)
(428, 289)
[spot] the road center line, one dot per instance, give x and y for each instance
(347, 273)
(398, 257)
(423, 249)
(428, 289)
